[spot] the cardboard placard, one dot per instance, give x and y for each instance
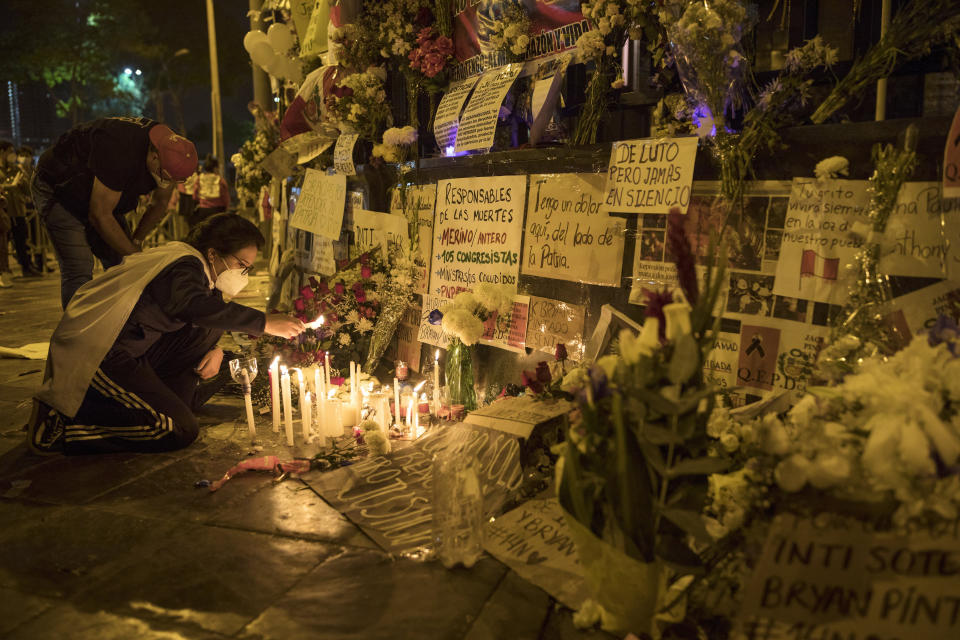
(918, 310)
(550, 322)
(408, 346)
(650, 175)
(567, 237)
(390, 497)
(534, 541)
(372, 229)
(518, 415)
(321, 204)
(951, 160)
(479, 121)
(447, 119)
(343, 154)
(301, 10)
(419, 200)
(854, 584)
(477, 233)
(314, 41)
(923, 233)
(307, 146)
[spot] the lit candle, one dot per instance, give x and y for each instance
(348, 415)
(396, 401)
(326, 368)
(436, 383)
(302, 388)
(306, 417)
(354, 396)
(275, 393)
(287, 404)
(247, 401)
(333, 426)
(410, 410)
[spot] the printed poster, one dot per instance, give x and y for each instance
(420, 199)
(552, 322)
(650, 175)
(447, 119)
(567, 237)
(479, 122)
(321, 204)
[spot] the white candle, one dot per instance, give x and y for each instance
(248, 402)
(396, 401)
(326, 368)
(353, 383)
(306, 417)
(333, 426)
(302, 388)
(275, 393)
(436, 383)
(410, 410)
(348, 415)
(287, 405)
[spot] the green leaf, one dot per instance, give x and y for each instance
(698, 466)
(656, 401)
(675, 552)
(690, 522)
(654, 458)
(685, 360)
(660, 435)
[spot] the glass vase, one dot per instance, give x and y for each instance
(459, 374)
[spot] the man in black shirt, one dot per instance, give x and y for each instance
(86, 183)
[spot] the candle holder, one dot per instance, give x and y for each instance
(403, 370)
(244, 370)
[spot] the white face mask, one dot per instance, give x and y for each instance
(231, 281)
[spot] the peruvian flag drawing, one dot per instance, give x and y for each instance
(814, 264)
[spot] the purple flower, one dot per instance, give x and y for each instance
(656, 301)
(944, 330)
(435, 317)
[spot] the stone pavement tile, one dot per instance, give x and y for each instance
(365, 594)
(66, 622)
(208, 578)
(559, 626)
(289, 508)
(16, 608)
(516, 610)
(77, 479)
(55, 551)
(168, 491)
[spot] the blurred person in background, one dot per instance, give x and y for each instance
(16, 169)
(211, 192)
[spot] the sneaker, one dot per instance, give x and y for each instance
(45, 430)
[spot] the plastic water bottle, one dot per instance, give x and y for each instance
(457, 508)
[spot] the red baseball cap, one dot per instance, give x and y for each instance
(178, 156)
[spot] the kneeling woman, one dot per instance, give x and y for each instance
(127, 357)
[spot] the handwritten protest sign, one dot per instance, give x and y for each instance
(534, 541)
(408, 346)
(951, 160)
(479, 121)
(567, 237)
(552, 322)
(447, 119)
(418, 200)
(923, 233)
(321, 204)
(300, 11)
(389, 496)
(650, 175)
(477, 233)
(372, 229)
(918, 311)
(852, 584)
(343, 154)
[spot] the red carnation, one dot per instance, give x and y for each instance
(366, 272)
(298, 304)
(339, 288)
(306, 293)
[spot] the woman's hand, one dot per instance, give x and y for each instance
(283, 326)
(210, 363)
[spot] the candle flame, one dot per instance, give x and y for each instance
(306, 396)
(423, 397)
(436, 355)
(316, 323)
(283, 369)
(275, 361)
(417, 388)
(299, 373)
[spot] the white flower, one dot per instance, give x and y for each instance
(364, 325)
(831, 167)
(400, 136)
(465, 300)
(776, 442)
(677, 315)
(829, 469)
(792, 474)
(344, 339)
(462, 324)
(730, 442)
(376, 441)
(609, 365)
(575, 380)
(634, 347)
(617, 84)
(494, 297)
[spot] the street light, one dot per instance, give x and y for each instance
(128, 71)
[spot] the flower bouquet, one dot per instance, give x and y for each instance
(358, 103)
(463, 321)
(396, 145)
(632, 473)
(251, 177)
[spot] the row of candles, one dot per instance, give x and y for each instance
(331, 413)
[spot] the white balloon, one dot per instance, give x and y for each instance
(252, 38)
(262, 54)
(280, 37)
(276, 67)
